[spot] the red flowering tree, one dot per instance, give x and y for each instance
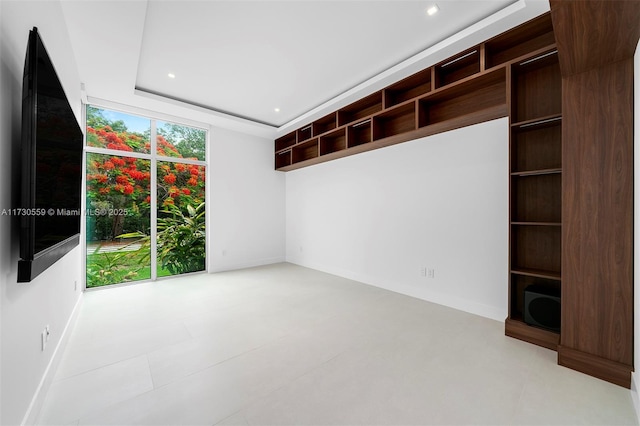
(121, 185)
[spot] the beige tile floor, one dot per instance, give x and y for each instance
(286, 345)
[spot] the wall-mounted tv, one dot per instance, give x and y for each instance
(52, 143)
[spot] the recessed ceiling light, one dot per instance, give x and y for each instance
(276, 109)
(171, 75)
(433, 10)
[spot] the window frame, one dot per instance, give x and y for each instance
(153, 157)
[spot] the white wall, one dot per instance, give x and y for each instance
(247, 202)
(439, 202)
(26, 308)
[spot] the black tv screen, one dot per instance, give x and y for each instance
(52, 143)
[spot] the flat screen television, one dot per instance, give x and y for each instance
(52, 143)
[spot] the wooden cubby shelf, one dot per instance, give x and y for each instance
(537, 273)
(521, 41)
(283, 159)
(359, 133)
(360, 109)
(470, 96)
(395, 121)
(286, 142)
(467, 88)
(411, 87)
(325, 124)
(333, 142)
(304, 151)
(535, 163)
(304, 133)
(461, 66)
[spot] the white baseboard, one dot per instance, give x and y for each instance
(231, 266)
(449, 301)
(31, 416)
(635, 397)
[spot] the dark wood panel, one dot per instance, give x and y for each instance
(594, 33)
(536, 198)
(434, 110)
(605, 369)
(536, 248)
(597, 261)
(520, 330)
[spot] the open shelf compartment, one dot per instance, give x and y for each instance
(360, 109)
(283, 159)
(537, 145)
(285, 141)
(359, 133)
(395, 121)
(333, 142)
(474, 95)
(536, 250)
(411, 87)
(528, 37)
(537, 198)
(536, 85)
(519, 283)
(304, 133)
(325, 124)
(458, 67)
(304, 151)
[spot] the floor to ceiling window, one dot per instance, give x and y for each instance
(145, 198)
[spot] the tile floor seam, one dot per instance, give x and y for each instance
(520, 401)
(155, 348)
(215, 364)
(240, 411)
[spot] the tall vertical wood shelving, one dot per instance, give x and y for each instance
(535, 188)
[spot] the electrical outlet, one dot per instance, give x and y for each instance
(431, 273)
(423, 271)
(45, 336)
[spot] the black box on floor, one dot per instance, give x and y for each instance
(542, 307)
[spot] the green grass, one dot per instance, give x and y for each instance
(118, 267)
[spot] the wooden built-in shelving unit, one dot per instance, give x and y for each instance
(535, 188)
(570, 108)
(515, 74)
(468, 88)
